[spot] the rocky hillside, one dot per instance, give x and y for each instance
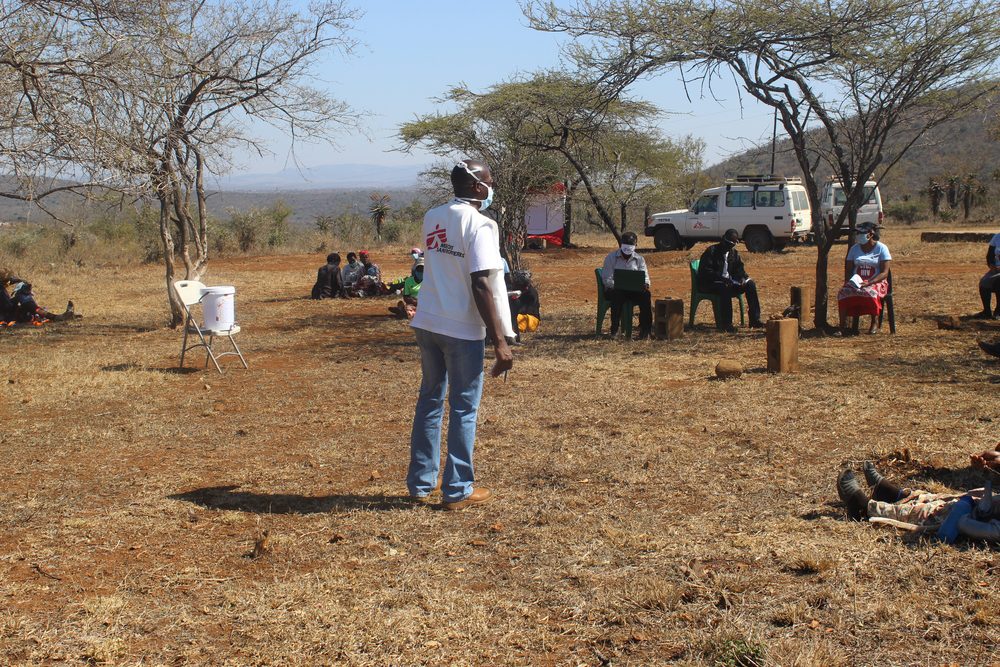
(959, 147)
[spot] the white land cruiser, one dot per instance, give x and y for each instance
(834, 199)
(767, 211)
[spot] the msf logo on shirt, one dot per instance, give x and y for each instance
(436, 238)
(437, 241)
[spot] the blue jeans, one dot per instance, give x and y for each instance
(457, 365)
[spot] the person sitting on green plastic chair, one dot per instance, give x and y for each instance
(721, 272)
(628, 259)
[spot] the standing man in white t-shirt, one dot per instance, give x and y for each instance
(462, 298)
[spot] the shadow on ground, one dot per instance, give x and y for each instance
(228, 498)
(135, 366)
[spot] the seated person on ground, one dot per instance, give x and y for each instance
(989, 284)
(972, 514)
(370, 282)
(20, 305)
(396, 286)
(407, 307)
(866, 273)
(328, 278)
(721, 272)
(350, 274)
(626, 258)
(524, 306)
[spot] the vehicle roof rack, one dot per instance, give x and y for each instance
(762, 179)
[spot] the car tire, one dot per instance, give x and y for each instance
(758, 240)
(667, 238)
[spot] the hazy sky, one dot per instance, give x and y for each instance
(412, 52)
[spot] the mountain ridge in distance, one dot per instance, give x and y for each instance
(322, 177)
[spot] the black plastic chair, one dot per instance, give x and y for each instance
(887, 307)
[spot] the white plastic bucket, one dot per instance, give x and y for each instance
(219, 307)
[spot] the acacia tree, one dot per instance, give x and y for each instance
(484, 127)
(643, 166)
(53, 57)
(150, 97)
(589, 126)
(844, 76)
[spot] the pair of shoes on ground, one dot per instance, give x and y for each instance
(478, 496)
(851, 492)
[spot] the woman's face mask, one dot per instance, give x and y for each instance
(628, 249)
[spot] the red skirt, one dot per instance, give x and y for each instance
(855, 302)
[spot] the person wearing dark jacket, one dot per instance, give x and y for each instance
(328, 279)
(989, 284)
(721, 272)
(20, 306)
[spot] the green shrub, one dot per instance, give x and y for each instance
(906, 212)
(399, 231)
(247, 228)
(738, 653)
(114, 229)
(21, 239)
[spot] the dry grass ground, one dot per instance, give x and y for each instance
(647, 513)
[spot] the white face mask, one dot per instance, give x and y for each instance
(627, 249)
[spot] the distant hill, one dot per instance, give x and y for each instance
(961, 146)
(306, 202)
(324, 177)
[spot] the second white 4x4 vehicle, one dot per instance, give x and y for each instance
(834, 199)
(767, 211)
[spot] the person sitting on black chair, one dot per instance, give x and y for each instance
(627, 259)
(721, 272)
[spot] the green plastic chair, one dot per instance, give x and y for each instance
(715, 299)
(603, 306)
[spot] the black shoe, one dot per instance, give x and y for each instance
(728, 329)
(756, 324)
(990, 348)
(614, 332)
(854, 497)
(643, 334)
(872, 475)
(983, 315)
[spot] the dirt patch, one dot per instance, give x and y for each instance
(646, 514)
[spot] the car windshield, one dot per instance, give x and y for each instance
(840, 199)
(707, 204)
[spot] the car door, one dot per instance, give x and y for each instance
(704, 219)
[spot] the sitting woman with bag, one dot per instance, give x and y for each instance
(866, 271)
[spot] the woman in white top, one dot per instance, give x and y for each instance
(866, 270)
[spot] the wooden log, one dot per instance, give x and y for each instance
(668, 318)
(782, 337)
(953, 237)
(802, 300)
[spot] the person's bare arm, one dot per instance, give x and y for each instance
(483, 295)
(881, 276)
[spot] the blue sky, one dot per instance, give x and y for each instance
(412, 52)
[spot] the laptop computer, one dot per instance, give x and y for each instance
(630, 281)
